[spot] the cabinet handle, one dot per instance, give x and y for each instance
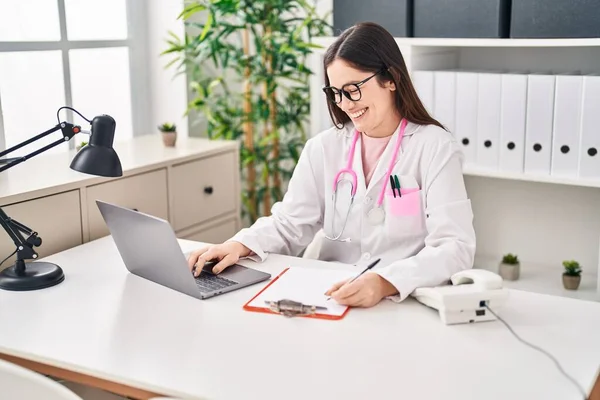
(208, 189)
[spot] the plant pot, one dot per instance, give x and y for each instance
(169, 138)
(509, 272)
(571, 282)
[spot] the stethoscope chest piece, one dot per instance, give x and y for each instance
(376, 215)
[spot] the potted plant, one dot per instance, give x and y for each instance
(248, 66)
(572, 275)
(510, 267)
(80, 145)
(169, 133)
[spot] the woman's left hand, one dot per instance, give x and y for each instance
(366, 291)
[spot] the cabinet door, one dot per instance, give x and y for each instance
(145, 192)
(56, 219)
(213, 234)
(203, 189)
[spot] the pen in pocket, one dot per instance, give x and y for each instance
(397, 185)
(393, 186)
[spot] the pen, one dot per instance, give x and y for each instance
(398, 185)
(374, 263)
(393, 186)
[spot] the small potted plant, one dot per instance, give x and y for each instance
(572, 275)
(169, 133)
(510, 267)
(80, 145)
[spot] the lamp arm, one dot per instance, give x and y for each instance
(68, 130)
(24, 246)
(12, 227)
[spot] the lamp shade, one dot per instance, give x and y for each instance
(98, 157)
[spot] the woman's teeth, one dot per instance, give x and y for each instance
(357, 114)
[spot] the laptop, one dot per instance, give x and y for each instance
(149, 249)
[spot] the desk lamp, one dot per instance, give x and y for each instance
(96, 158)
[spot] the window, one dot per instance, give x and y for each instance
(79, 53)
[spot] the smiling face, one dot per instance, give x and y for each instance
(374, 113)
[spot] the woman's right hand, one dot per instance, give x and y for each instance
(226, 254)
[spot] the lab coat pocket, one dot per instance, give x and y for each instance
(408, 204)
(404, 213)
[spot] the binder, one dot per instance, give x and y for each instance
(423, 83)
(567, 125)
(538, 126)
(444, 98)
(466, 115)
(513, 105)
(488, 120)
(305, 286)
(589, 159)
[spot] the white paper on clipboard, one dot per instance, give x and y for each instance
(305, 285)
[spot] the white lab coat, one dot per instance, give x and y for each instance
(417, 250)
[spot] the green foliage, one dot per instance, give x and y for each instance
(572, 268)
(511, 259)
(264, 44)
(167, 127)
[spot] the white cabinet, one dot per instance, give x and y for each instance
(217, 232)
(56, 219)
(203, 189)
(145, 192)
(194, 185)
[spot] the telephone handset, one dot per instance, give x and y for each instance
(479, 277)
(466, 299)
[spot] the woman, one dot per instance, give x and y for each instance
(422, 232)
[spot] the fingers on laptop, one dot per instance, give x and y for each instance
(228, 260)
(194, 256)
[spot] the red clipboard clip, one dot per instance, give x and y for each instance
(291, 308)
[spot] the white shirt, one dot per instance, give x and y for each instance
(427, 235)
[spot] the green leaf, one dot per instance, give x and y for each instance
(191, 10)
(207, 26)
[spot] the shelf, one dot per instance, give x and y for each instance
(474, 171)
(476, 42)
(469, 42)
(545, 279)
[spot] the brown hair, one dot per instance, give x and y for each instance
(370, 48)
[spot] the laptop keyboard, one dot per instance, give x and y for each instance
(207, 282)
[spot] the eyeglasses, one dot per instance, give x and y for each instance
(350, 90)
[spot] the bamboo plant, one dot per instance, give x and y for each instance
(246, 62)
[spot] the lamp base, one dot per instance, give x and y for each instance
(37, 275)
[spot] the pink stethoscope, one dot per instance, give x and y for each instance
(376, 215)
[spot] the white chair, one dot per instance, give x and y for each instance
(20, 383)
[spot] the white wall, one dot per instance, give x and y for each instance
(168, 92)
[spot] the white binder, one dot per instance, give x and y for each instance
(567, 125)
(513, 105)
(466, 115)
(589, 149)
(423, 83)
(444, 98)
(488, 119)
(538, 128)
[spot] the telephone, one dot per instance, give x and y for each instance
(465, 300)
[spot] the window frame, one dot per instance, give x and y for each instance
(139, 76)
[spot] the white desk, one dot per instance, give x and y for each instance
(116, 328)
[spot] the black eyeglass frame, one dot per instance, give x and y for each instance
(337, 93)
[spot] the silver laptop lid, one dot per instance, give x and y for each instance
(149, 247)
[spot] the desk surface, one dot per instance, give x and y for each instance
(104, 322)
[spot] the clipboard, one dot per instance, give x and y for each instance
(300, 292)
